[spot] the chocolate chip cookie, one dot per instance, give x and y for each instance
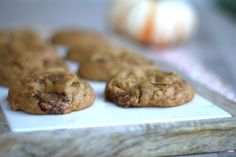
(102, 66)
(70, 38)
(50, 93)
(148, 88)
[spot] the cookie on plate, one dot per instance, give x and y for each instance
(70, 38)
(50, 92)
(102, 66)
(148, 88)
(83, 52)
(44, 52)
(29, 37)
(15, 66)
(17, 62)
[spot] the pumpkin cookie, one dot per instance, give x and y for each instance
(50, 93)
(28, 37)
(17, 61)
(148, 88)
(15, 66)
(44, 52)
(102, 66)
(70, 38)
(83, 52)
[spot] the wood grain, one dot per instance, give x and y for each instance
(137, 140)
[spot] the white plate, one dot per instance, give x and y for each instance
(103, 113)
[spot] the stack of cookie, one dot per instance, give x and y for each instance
(23, 52)
(40, 83)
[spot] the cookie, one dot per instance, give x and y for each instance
(15, 66)
(50, 93)
(17, 62)
(28, 37)
(4, 39)
(148, 88)
(102, 66)
(83, 52)
(69, 38)
(44, 52)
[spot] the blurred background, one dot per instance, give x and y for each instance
(212, 47)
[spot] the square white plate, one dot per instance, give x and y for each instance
(103, 113)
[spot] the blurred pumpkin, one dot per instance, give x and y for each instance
(159, 22)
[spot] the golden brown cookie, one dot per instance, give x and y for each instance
(69, 38)
(44, 52)
(4, 39)
(102, 66)
(83, 52)
(148, 88)
(15, 66)
(50, 93)
(17, 61)
(28, 37)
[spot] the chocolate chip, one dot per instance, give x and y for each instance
(75, 83)
(46, 62)
(17, 64)
(99, 60)
(53, 103)
(54, 78)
